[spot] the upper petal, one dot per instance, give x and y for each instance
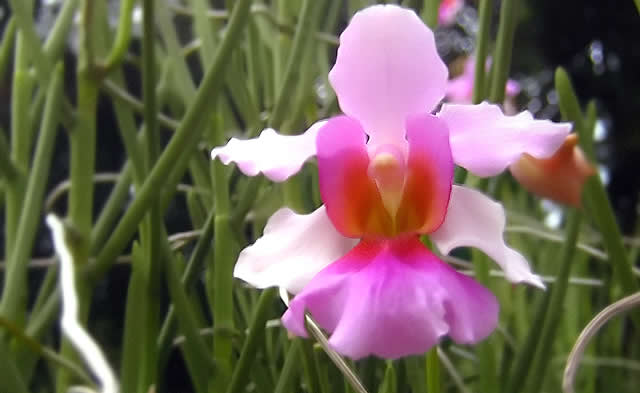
(277, 156)
(292, 250)
(392, 299)
(485, 141)
(475, 220)
(387, 68)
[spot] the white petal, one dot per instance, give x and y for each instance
(292, 250)
(276, 156)
(485, 141)
(475, 220)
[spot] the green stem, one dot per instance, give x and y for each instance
(175, 156)
(57, 37)
(312, 374)
(433, 371)
(307, 23)
(9, 373)
(22, 11)
(202, 365)
(123, 36)
(240, 379)
(430, 11)
(488, 380)
(14, 301)
(482, 48)
(290, 368)
(557, 294)
(8, 39)
(504, 46)
(570, 109)
(8, 170)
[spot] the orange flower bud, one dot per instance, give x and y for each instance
(559, 177)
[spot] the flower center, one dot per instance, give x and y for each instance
(387, 168)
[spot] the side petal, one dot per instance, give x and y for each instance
(485, 141)
(351, 196)
(392, 299)
(276, 156)
(429, 175)
(475, 220)
(292, 250)
(387, 68)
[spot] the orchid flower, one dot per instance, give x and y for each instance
(448, 11)
(560, 177)
(460, 88)
(385, 172)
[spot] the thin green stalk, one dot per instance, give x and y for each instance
(82, 142)
(312, 374)
(390, 381)
(433, 371)
(183, 142)
(488, 379)
(204, 31)
(123, 35)
(637, 4)
(597, 202)
(57, 37)
(191, 273)
(14, 194)
(240, 379)
(290, 369)
(482, 48)
(8, 170)
(429, 13)
(504, 46)
(570, 109)
(22, 11)
(14, 301)
(12, 381)
(202, 364)
(47, 353)
(301, 42)
(536, 374)
(6, 48)
(224, 259)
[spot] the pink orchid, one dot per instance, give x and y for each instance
(385, 173)
(448, 11)
(460, 88)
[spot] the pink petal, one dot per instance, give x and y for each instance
(460, 90)
(475, 220)
(448, 11)
(393, 298)
(277, 156)
(513, 88)
(485, 141)
(387, 68)
(292, 250)
(430, 174)
(351, 196)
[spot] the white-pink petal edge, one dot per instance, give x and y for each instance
(475, 220)
(277, 156)
(293, 249)
(485, 141)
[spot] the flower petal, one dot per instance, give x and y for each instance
(387, 68)
(485, 141)
(277, 156)
(560, 177)
(430, 174)
(392, 299)
(292, 250)
(351, 196)
(475, 220)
